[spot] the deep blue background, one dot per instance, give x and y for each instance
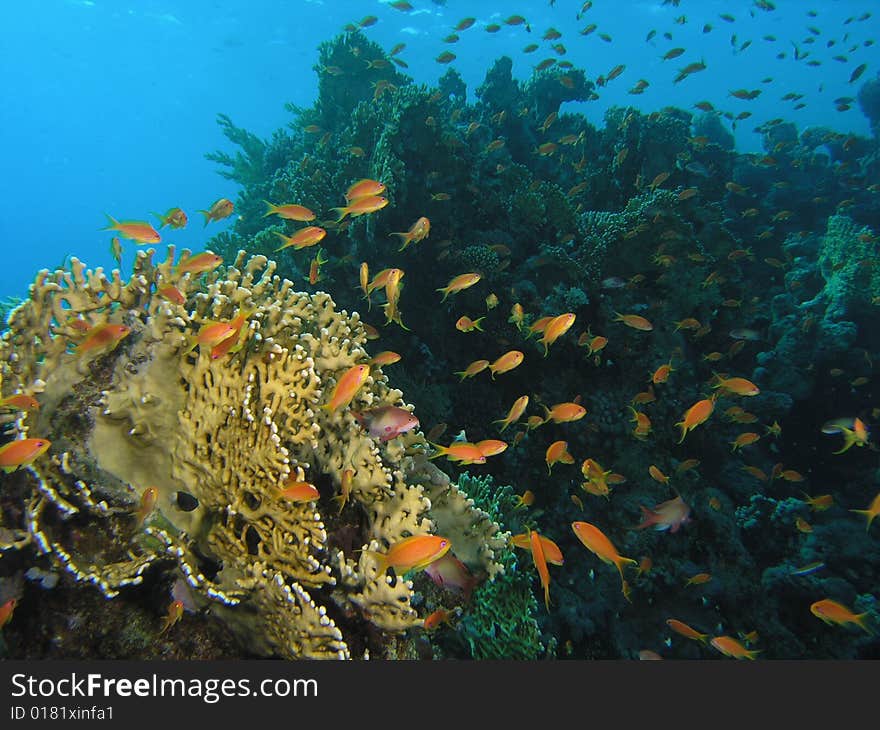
(110, 105)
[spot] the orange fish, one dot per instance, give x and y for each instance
(433, 620)
(347, 387)
(477, 366)
(364, 189)
(557, 452)
(551, 550)
(515, 412)
(6, 611)
(345, 484)
(669, 515)
(19, 402)
(361, 206)
(658, 475)
(303, 238)
(387, 357)
(508, 361)
(289, 211)
(802, 525)
(555, 328)
(541, 564)
(417, 232)
(198, 264)
(832, 612)
(101, 336)
(635, 321)
(526, 499)
(172, 294)
(175, 218)
(461, 451)
(459, 283)
(220, 209)
(596, 542)
(149, 498)
(744, 439)
(138, 231)
(491, 447)
(682, 628)
(466, 324)
(299, 491)
(736, 386)
(411, 553)
(872, 511)
(175, 612)
(22, 452)
(564, 413)
(698, 413)
(698, 579)
(661, 374)
(729, 646)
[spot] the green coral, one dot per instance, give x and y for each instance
(500, 623)
(845, 256)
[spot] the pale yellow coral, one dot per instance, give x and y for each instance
(218, 439)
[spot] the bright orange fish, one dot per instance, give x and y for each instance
(736, 386)
(308, 236)
(857, 435)
(564, 413)
(300, 491)
(541, 564)
(220, 209)
(729, 646)
(106, 335)
(19, 402)
(637, 322)
(477, 366)
(466, 324)
(515, 412)
(172, 294)
(361, 206)
(21, 452)
(598, 543)
(551, 550)
(459, 283)
(557, 452)
(491, 447)
(688, 632)
(199, 264)
(347, 387)
(138, 231)
(412, 553)
(508, 361)
(418, 231)
(555, 328)
(364, 188)
(698, 413)
(387, 357)
(461, 451)
(289, 211)
(433, 620)
(832, 612)
(698, 579)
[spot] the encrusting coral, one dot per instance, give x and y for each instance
(214, 438)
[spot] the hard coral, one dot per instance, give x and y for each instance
(217, 438)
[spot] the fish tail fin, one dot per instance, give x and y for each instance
(849, 438)
(867, 514)
(683, 431)
(441, 450)
(445, 291)
(860, 620)
(752, 654)
(271, 208)
(161, 218)
(477, 323)
(504, 423)
(207, 214)
(342, 211)
(114, 224)
(380, 558)
(649, 517)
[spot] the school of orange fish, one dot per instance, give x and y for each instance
(432, 553)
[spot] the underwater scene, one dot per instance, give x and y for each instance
(441, 330)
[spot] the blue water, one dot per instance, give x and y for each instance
(111, 106)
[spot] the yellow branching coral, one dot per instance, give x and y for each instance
(215, 434)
